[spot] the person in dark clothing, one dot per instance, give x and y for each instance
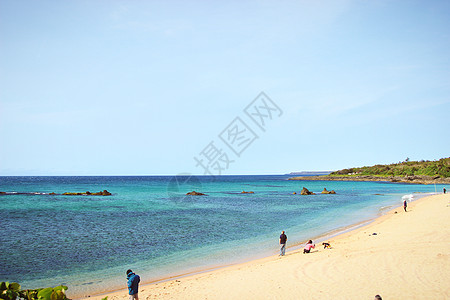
(283, 239)
(445, 190)
(133, 285)
(404, 205)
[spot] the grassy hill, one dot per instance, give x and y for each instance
(434, 168)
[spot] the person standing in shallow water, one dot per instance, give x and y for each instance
(133, 285)
(404, 205)
(283, 239)
(445, 190)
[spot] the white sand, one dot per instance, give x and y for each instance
(409, 258)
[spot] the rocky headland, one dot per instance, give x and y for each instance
(417, 172)
(415, 179)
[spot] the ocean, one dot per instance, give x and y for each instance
(149, 225)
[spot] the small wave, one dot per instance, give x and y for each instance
(23, 193)
(409, 197)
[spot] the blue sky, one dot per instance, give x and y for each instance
(143, 87)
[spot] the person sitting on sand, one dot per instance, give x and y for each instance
(308, 247)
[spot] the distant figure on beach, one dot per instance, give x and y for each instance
(404, 205)
(378, 297)
(308, 247)
(133, 284)
(444, 190)
(283, 239)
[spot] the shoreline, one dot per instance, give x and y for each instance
(339, 234)
(289, 249)
(254, 259)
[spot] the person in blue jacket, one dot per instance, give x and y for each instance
(133, 284)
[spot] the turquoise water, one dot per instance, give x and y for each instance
(148, 225)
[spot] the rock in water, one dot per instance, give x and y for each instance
(305, 191)
(104, 193)
(325, 191)
(194, 193)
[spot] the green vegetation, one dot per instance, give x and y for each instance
(434, 168)
(12, 291)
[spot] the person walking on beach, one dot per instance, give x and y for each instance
(133, 284)
(283, 239)
(308, 247)
(444, 190)
(404, 205)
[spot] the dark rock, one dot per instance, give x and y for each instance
(194, 193)
(104, 193)
(325, 191)
(305, 191)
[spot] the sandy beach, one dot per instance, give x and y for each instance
(398, 256)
